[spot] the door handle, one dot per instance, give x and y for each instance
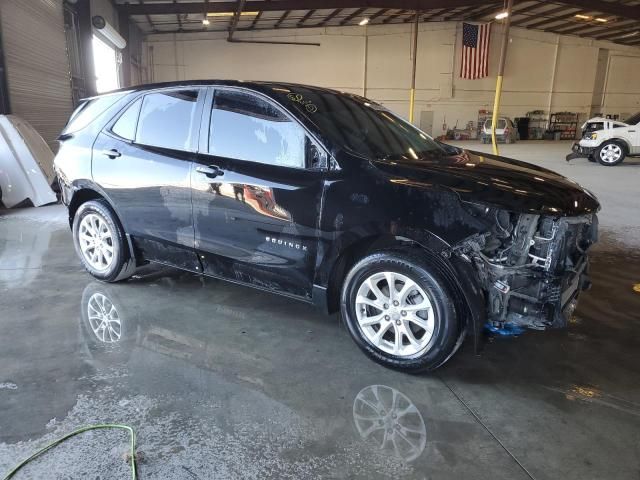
(211, 171)
(113, 153)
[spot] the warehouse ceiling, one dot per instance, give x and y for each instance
(613, 20)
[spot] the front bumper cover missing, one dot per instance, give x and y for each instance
(578, 151)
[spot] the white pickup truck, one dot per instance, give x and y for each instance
(608, 141)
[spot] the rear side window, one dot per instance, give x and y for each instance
(88, 111)
(167, 119)
(246, 127)
(125, 126)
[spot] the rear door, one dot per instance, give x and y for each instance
(257, 192)
(142, 160)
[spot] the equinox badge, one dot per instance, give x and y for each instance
(285, 243)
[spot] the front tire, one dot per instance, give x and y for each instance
(610, 154)
(100, 242)
(400, 312)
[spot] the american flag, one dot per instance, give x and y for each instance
(475, 50)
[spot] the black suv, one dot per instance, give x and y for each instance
(328, 198)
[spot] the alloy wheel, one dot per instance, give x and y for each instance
(96, 242)
(395, 314)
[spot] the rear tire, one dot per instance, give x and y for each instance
(100, 242)
(418, 322)
(611, 154)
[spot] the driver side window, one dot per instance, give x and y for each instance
(246, 127)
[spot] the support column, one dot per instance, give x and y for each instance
(123, 30)
(503, 59)
(412, 96)
(366, 54)
(86, 46)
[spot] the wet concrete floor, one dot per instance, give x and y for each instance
(222, 381)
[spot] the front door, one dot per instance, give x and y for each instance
(143, 162)
(256, 195)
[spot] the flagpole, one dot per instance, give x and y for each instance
(503, 58)
(412, 95)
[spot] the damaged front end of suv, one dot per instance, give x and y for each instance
(531, 266)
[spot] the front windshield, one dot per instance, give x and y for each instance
(633, 120)
(359, 125)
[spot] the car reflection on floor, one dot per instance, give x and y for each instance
(390, 420)
(383, 417)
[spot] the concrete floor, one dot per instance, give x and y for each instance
(222, 381)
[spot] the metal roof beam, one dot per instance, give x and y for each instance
(235, 19)
(528, 8)
(458, 13)
(348, 18)
(572, 30)
(255, 21)
(305, 18)
(550, 18)
(614, 34)
(608, 8)
(483, 12)
(328, 18)
(282, 5)
(395, 15)
(428, 16)
(282, 18)
(379, 13)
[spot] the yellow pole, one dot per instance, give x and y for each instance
(503, 58)
(494, 118)
(412, 99)
(412, 94)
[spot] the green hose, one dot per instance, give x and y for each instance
(76, 432)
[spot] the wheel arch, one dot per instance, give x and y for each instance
(79, 197)
(84, 192)
(623, 142)
(461, 277)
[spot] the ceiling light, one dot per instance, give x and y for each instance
(231, 14)
(502, 15)
(364, 21)
(206, 21)
(632, 34)
(583, 17)
(601, 20)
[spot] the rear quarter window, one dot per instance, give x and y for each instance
(88, 111)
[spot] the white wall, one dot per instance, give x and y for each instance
(530, 83)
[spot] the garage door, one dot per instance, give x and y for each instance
(37, 64)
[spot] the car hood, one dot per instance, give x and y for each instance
(497, 181)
